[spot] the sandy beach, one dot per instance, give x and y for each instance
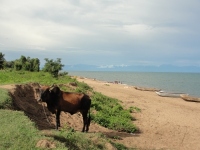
(164, 122)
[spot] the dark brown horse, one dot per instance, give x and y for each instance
(72, 103)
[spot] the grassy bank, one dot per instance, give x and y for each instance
(109, 114)
(17, 131)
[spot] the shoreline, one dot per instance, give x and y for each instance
(184, 96)
(164, 122)
(187, 83)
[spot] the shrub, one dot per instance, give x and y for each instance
(111, 114)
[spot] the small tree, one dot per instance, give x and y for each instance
(53, 67)
(2, 60)
(23, 61)
(36, 65)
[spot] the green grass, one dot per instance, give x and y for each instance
(78, 140)
(111, 114)
(5, 99)
(16, 77)
(44, 78)
(18, 132)
(134, 109)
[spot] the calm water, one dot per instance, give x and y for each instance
(172, 82)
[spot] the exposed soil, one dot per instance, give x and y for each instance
(165, 123)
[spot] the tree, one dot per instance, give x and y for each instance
(36, 65)
(24, 64)
(9, 64)
(27, 64)
(2, 60)
(18, 65)
(53, 66)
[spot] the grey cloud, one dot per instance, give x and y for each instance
(120, 32)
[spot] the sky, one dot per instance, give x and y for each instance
(102, 32)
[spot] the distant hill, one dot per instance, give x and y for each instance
(162, 68)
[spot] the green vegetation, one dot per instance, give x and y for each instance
(18, 132)
(53, 67)
(10, 77)
(79, 140)
(111, 114)
(27, 64)
(23, 63)
(2, 60)
(134, 109)
(5, 99)
(121, 146)
(31, 64)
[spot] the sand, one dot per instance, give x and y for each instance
(164, 122)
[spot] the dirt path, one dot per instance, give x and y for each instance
(165, 123)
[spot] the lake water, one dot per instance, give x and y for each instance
(171, 82)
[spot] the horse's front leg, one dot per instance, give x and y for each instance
(57, 119)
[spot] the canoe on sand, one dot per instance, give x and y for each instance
(168, 94)
(146, 89)
(189, 98)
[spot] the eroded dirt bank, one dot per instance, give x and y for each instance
(25, 97)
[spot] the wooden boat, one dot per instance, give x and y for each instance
(168, 94)
(186, 97)
(146, 89)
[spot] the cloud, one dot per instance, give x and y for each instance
(103, 32)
